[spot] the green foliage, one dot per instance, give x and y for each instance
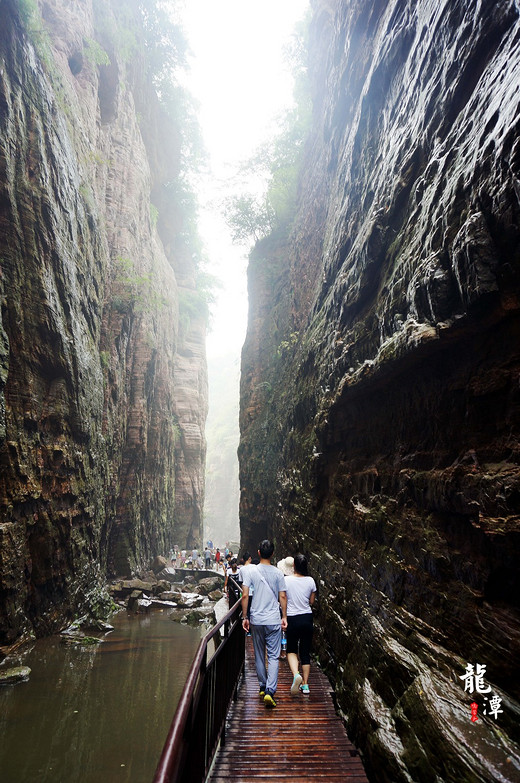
(146, 36)
(264, 385)
(279, 160)
(118, 30)
(93, 156)
(248, 217)
(176, 430)
(127, 44)
(85, 192)
(95, 53)
(29, 12)
(287, 345)
(104, 357)
(165, 42)
(134, 291)
(30, 18)
(145, 29)
(180, 199)
(182, 108)
(194, 302)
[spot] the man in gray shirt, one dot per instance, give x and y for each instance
(269, 595)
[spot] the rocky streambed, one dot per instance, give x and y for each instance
(190, 596)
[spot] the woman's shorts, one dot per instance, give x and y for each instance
(299, 636)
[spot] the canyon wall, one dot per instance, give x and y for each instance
(380, 393)
(102, 366)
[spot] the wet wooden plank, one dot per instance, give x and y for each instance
(302, 738)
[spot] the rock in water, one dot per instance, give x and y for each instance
(13, 675)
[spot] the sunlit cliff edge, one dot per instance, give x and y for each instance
(380, 391)
(102, 373)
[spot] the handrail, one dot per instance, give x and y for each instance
(199, 721)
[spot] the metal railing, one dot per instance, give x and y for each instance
(200, 719)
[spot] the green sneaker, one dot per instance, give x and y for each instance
(269, 700)
(295, 687)
(261, 693)
(305, 689)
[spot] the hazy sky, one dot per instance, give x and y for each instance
(242, 83)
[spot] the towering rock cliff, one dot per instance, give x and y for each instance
(380, 392)
(102, 360)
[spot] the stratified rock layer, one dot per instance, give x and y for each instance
(380, 394)
(103, 401)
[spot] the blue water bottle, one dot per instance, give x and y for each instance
(284, 645)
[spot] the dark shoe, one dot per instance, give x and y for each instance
(261, 693)
(269, 700)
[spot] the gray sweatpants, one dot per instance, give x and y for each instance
(267, 638)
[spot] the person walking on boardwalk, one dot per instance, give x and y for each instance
(233, 583)
(301, 591)
(269, 596)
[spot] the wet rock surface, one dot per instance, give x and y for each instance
(190, 597)
(102, 400)
(380, 402)
(14, 674)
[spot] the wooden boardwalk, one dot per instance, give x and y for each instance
(302, 739)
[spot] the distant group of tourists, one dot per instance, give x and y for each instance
(209, 558)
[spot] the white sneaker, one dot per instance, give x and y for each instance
(295, 687)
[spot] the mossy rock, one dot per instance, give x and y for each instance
(14, 675)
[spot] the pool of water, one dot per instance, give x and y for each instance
(99, 713)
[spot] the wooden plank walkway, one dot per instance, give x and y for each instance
(302, 739)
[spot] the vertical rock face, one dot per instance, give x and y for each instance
(380, 383)
(103, 400)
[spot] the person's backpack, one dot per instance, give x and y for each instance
(234, 589)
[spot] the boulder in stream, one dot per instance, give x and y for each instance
(168, 574)
(163, 585)
(79, 639)
(204, 614)
(14, 675)
(208, 584)
(168, 595)
(159, 564)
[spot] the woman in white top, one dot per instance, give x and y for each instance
(301, 591)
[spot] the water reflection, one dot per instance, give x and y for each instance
(97, 713)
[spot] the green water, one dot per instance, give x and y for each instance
(99, 713)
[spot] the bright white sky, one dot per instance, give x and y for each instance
(239, 76)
